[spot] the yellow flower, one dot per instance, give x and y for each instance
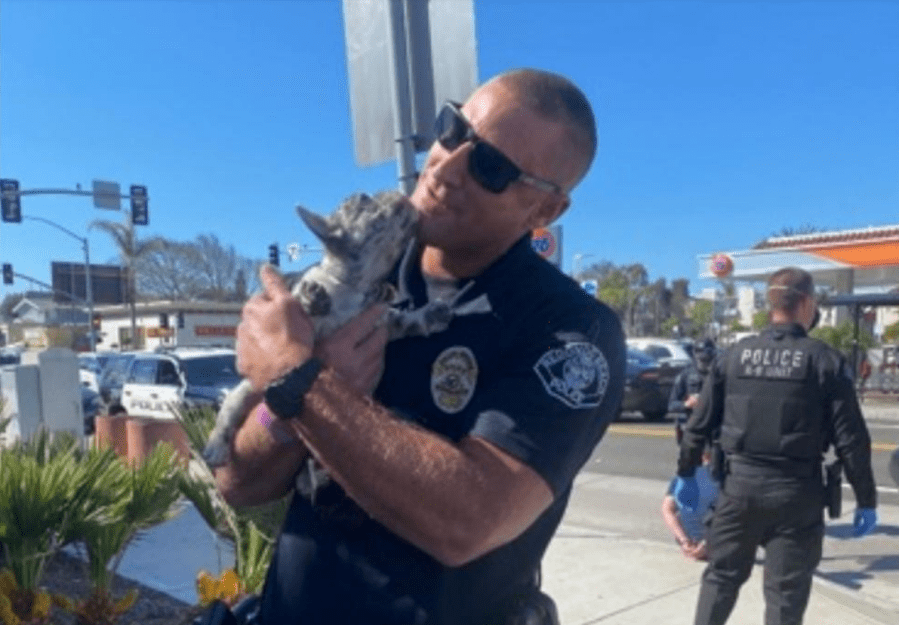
(227, 588)
(40, 607)
(41, 602)
(127, 602)
(205, 588)
(64, 602)
(7, 616)
(8, 583)
(229, 585)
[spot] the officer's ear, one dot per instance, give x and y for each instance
(815, 320)
(550, 207)
(810, 313)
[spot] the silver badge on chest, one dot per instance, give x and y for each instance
(454, 376)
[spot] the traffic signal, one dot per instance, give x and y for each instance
(140, 212)
(10, 201)
(96, 321)
(7, 273)
(273, 255)
(164, 321)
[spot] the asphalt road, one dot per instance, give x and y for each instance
(634, 448)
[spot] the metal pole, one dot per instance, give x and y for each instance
(90, 296)
(405, 149)
(132, 288)
(857, 311)
(87, 272)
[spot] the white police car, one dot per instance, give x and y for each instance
(192, 377)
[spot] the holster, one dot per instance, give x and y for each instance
(719, 463)
(533, 607)
(833, 488)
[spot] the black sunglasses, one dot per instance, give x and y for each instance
(492, 169)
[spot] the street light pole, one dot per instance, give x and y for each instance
(576, 265)
(89, 291)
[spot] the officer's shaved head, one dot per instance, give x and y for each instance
(556, 98)
(787, 287)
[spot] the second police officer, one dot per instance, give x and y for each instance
(780, 400)
(685, 392)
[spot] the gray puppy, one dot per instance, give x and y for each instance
(363, 239)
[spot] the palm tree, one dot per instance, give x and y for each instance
(130, 249)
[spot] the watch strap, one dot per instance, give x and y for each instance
(284, 397)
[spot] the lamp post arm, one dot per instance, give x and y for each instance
(87, 275)
(57, 226)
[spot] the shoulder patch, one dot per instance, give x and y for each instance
(454, 376)
(576, 374)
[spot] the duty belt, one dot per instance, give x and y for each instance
(775, 467)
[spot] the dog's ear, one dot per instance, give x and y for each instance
(316, 223)
(331, 236)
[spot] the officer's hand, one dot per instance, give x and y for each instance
(686, 493)
(865, 521)
(355, 351)
(274, 334)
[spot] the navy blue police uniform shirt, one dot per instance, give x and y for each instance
(536, 367)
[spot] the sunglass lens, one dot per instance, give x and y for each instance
(449, 128)
(491, 168)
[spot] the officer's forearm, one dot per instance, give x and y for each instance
(690, 455)
(861, 477)
(853, 445)
(265, 457)
(696, 432)
(453, 501)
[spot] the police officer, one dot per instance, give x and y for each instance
(452, 455)
(780, 399)
(688, 383)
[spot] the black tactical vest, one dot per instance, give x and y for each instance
(695, 378)
(773, 396)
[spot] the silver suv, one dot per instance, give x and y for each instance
(182, 376)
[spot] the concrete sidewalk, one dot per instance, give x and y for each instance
(611, 577)
(599, 575)
(612, 560)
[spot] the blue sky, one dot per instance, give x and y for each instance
(720, 122)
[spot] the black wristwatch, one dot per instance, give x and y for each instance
(284, 397)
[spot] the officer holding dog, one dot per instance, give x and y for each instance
(452, 456)
(780, 400)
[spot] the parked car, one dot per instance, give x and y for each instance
(647, 385)
(9, 357)
(113, 376)
(180, 377)
(90, 367)
(666, 351)
(91, 406)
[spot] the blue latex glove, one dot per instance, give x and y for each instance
(864, 522)
(686, 493)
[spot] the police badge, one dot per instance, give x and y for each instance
(454, 375)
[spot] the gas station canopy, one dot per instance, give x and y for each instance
(844, 260)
